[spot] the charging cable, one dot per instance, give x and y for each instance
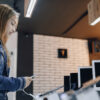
(33, 96)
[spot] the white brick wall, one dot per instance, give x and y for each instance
(51, 70)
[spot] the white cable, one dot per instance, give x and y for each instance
(25, 92)
(30, 94)
(35, 97)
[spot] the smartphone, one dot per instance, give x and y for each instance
(33, 76)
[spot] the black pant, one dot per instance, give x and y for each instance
(3, 96)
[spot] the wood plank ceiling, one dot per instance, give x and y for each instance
(54, 17)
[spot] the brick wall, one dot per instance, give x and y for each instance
(49, 67)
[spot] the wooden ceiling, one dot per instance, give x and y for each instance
(84, 30)
(54, 17)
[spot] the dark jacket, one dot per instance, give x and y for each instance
(7, 83)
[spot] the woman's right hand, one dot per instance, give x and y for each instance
(28, 81)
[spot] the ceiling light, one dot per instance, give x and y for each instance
(94, 12)
(95, 22)
(29, 7)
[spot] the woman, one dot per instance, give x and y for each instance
(8, 24)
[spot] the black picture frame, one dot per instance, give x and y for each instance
(62, 53)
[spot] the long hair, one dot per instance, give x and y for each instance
(6, 12)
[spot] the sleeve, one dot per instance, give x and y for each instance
(10, 83)
(1, 63)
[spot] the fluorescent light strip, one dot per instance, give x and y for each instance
(30, 8)
(96, 21)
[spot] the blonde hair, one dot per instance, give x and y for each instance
(6, 12)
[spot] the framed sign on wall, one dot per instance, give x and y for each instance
(62, 53)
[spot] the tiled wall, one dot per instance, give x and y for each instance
(51, 69)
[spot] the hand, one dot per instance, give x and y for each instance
(28, 81)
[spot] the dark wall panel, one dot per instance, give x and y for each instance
(25, 62)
